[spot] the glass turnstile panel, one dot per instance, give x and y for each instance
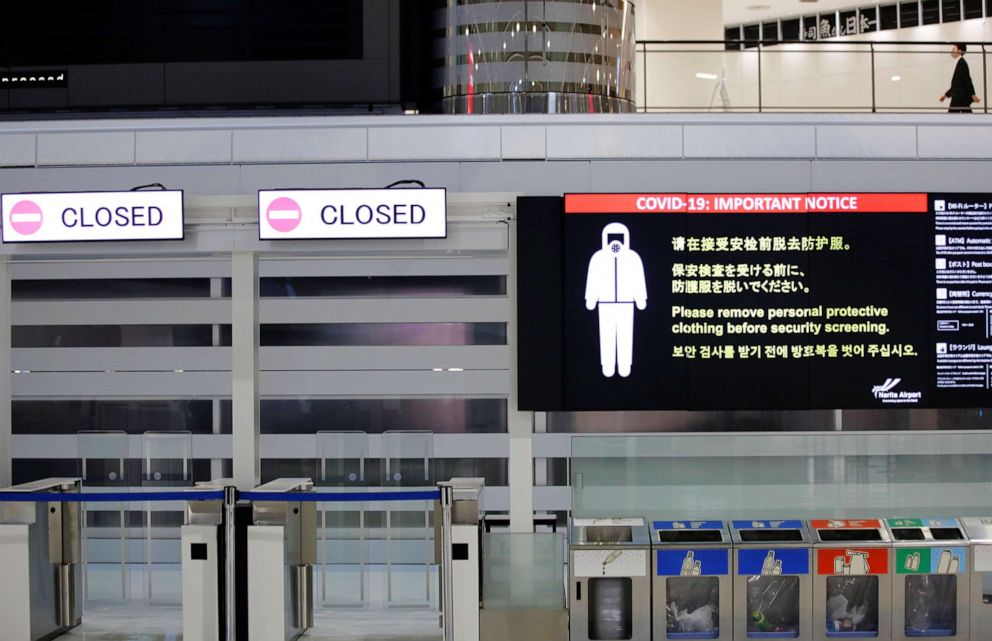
(408, 464)
(523, 571)
(692, 610)
(773, 607)
(852, 606)
(111, 534)
(342, 576)
(987, 588)
(611, 608)
(931, 605)
(166, 462)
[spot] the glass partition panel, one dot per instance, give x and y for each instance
(166, 462)
(913, 78)
(697, 77)
(109, 553)
(408, 463)
(799, 77)
(342, 552)
(781, 476)
(523, 570)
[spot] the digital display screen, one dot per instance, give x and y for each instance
(759, 301)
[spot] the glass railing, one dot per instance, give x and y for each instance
(836, 76)
(781, 476)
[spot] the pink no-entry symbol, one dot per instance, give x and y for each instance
(284, 214)
(25, 217)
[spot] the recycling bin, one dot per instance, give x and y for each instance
(773, 583)
(979, 532)
(852, 586)
(930, 579)
(692, 593)
(609, 586)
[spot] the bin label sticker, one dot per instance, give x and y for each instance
(983, 558)
(773, 562)
(845, 524)
(922, 522)
(852, 561)
(623, 563)
(931, 560)
(695, 562)
(688, 525)
(768, 525)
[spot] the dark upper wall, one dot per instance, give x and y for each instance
(195, 54)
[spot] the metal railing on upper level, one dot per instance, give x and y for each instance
(796, 76)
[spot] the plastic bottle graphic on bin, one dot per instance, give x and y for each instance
(614, 285)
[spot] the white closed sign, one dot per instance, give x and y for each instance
(352, 213)
(92, 215)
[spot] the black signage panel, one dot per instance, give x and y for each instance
(758, 301)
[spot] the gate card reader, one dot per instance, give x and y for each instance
(692, 590)
(609, 591)
(773, 581)
(930, 585)
(852, 584)
(978, 529)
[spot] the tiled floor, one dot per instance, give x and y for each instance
(163, 623)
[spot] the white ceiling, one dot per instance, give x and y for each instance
(737, 12)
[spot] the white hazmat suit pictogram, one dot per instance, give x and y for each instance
(615, 282)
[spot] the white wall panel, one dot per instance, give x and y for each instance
(17, 150)
(90, 148)
(956, 142)
(865, 141)
(182, 147)
(300, 145)
(179, 311)
(120, 268)
(121, 359)
(750, 141)
(469, 142)
(606, 139)
(89, 385)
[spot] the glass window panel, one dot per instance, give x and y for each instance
(134, 417)
(930, 11)
(752, 34)
(951, 10)
(112, 335)
(383, 286)
(109, 288)
(377, 415)
(909, 14)
(791, 29)
(330, 334)
(769, 32)
(888, 17)
(972, 9)
(868, 19)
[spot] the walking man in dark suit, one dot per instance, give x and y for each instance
(962, 91)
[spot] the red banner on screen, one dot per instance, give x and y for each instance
(805, 203)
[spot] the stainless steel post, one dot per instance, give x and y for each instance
(447, 600)
(230, 621)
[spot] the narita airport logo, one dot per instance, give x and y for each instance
(887, 394)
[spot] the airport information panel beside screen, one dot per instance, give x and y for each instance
(755, 301)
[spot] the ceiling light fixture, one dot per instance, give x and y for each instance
(706, 76)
